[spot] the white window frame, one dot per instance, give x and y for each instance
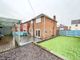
(40, 33)
(31, 22)
(38, 20)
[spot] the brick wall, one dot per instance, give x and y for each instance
(50, 27)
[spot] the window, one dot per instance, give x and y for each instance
(38, 20)
(31, 22)
(37, 34)
(76, 25)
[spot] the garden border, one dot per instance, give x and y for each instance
(48, 51)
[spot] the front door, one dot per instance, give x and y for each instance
(38, 33)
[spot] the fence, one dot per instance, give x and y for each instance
(69, 32)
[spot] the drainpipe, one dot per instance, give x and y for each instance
(44, 26)
(33, 31)
(54, 31)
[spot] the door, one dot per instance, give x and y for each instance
(38, 33)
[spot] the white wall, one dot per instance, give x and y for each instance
(73, 27)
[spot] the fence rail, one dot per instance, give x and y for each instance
(69, 32)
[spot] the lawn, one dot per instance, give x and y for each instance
(67, 47)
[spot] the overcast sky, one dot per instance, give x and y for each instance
(65, 10)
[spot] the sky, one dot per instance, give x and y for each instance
(65, 10)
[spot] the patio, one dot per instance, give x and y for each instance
(7, 43)
(26, 39)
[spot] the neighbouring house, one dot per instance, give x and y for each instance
(25, 26)
(62, 27)
(75, 24)
(21, 27)
(42, 26)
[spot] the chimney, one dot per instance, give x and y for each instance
(54, 17)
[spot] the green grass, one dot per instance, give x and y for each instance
(68, 47)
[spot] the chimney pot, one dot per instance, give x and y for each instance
(54, 17)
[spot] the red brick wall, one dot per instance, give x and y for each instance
(21, 27)
(50, 27)
(25, 26)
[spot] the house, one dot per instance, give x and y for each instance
(75, 24)
(25, 26)
(42, 26)
(62, 27)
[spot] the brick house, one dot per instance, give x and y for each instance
(25, 26)
(62, 27)
(42, 26)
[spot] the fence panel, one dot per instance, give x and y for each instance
(69, 32)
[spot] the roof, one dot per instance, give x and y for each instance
(62, 26)
(75, 21)
(8, 21)
(41, 15)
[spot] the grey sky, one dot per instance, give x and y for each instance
(65, 10)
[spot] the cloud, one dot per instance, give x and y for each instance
(65, 10)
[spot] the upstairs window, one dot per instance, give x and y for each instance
(31, 22)
(38, 20)
(76, 25)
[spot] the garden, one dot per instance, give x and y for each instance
(64, 46)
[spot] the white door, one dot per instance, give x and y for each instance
(38, 33)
